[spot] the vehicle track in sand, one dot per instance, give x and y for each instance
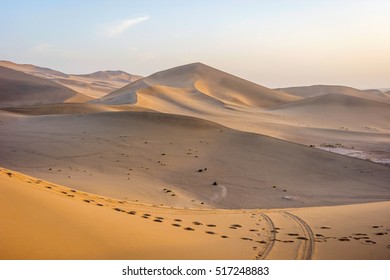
(306, 248)
(271, 237)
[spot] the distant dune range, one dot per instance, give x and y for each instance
(94, 85)
(19, 89)
(194, 144)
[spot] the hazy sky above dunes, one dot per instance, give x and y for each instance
(273, 43)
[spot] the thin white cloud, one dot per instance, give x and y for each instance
(119, 28)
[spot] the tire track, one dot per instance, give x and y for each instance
(305, 252)
(272, 236)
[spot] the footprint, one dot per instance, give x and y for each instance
(247, 238)
(380, 233)
(176, 225)
(211, 225)
(376, 226)
(302, 238)
(157, 221)
(370, 241)
(197, 223)
(253, 229)
(86, 200)
(210, 232)
(236, 225)
(177, 220)
(189, 228)
(293, 234)
(119, 210)
(344, 239)
(131, 212)
(99, 204)
(325, 228)
(288, 241)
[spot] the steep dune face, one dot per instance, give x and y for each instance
(95, 85)
(317, 90)
(197, 79)
(20, 89)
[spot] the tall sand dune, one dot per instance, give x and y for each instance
(197, 80)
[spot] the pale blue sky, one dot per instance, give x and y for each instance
(273, 43)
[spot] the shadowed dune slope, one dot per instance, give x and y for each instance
(197, 81)
(317, 90)
(141, 155)
(20, 89)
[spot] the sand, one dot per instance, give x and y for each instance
(42, 220)
(193, 163)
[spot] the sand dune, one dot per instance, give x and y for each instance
(317, 90)
(94, 85)
(20, 89)
(177, 165)
(139, 154)
(50, 221)
(199, 81)
(339, 111)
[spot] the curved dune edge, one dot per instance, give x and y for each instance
(41, 220)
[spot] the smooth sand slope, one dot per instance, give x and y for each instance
(141, 155)
(20, 89)
(94, 85)
(41, 220)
